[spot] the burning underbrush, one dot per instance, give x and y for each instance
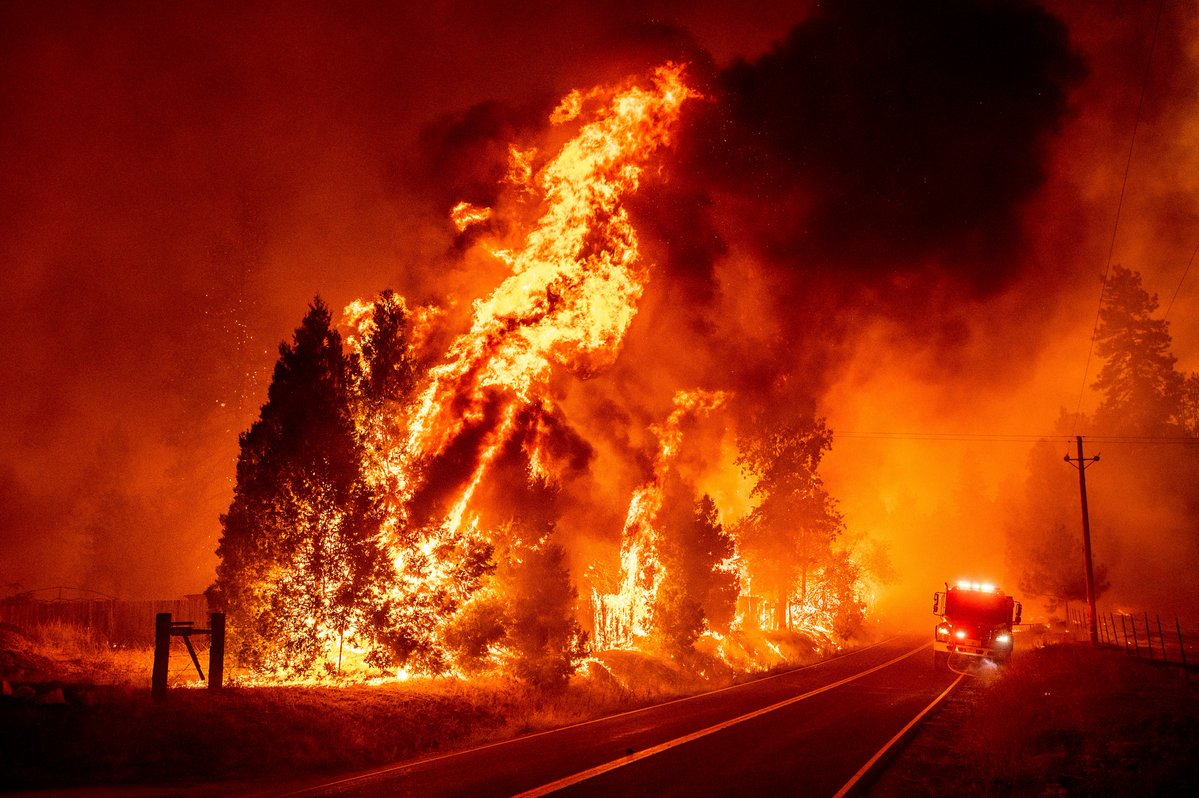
(434, 493)
(103, 728)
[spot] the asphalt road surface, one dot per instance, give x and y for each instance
(806, 732)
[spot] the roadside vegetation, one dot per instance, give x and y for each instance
(1060, 720)
(78, 712)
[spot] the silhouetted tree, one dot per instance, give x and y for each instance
(299, 549)
(1142, 391)
(700, 583)
(1189, 406)
(792, 529)
(523, 619)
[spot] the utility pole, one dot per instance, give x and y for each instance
(1082, 463)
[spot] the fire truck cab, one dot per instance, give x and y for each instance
(976, 621)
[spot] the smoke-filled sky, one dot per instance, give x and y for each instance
(897, 218)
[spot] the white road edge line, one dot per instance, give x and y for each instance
(567, 781)
(849, 785)
(426, 760)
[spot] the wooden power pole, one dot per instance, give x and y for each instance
(1081, 464)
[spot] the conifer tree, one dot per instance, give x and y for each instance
(699, 587)
(790, 533)
(299, 545)
(1142, 391)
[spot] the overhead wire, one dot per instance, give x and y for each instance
(1182, 279)
(967, 437)
(1119, 209)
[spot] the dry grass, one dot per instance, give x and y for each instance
(109, 731)
(63, 652)
(1062, 720)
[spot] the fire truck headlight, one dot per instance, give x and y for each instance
(942, 633)
(1004, 638)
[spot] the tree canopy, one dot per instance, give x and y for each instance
(298, 547)
(792, 529)
(1142, 392)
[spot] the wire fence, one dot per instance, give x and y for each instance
(1145, 635)
(119, 623)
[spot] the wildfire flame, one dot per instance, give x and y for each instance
(573, 292)
(575, 282)
(429, 448)
(624, 616)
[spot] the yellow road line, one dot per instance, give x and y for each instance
(598, 770)
(415, 763)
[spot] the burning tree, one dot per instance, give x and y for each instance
(383, 497)
(357, 511)
(701, 581)
(791, 531)
(299, 552)
(522, 621)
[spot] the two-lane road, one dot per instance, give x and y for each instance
(807, 731)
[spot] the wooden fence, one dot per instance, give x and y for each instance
(1147, 635)
(120, 623)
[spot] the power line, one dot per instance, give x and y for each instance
(1119, 208)
(1185, 272)
(970, 437)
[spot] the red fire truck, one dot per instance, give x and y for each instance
(976, 621)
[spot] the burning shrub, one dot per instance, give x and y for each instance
(523, 620)
(834, 598)
(422, 596)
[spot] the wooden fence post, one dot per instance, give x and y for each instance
(1182, 647)
(1136, 645)
(162, 653)
(1124, 629)
(216, 652)
(1148, 638)
(1161, 636)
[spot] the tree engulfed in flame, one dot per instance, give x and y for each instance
(627, 615)
(573, 291)
(447, 583)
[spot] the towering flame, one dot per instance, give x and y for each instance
(572, 294)
(624, 616)
(576, 278)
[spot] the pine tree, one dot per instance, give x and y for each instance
(299, 547)
(790, 533)
(1142, 390)
(700, 586)
(382, 377)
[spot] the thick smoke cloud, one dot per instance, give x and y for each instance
(185, 180)
(911, 131)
